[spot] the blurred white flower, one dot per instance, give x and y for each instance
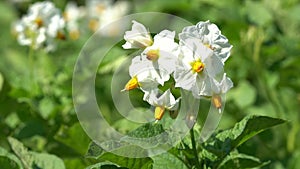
(29, 35)
(137, 37)
(195, 68)
(210, 35)
(72, 14)
(113, 13)
(103, 12)
(162, 102)
(56, 27)
(40, 26)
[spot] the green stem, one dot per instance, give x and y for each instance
(31, 70)
(33, 82)
(194, 148)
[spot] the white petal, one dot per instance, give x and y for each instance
(138, 36)
(213, 65)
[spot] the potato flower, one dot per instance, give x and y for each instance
(41, 26)
(162, 102)
(210, 35)
(137, 37)
(72, 14)
(195, 68)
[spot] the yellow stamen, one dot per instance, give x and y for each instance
(61, 36)
(217, 102)
(39, 22)
(132, 84)
(66, 16)
(159, 112)
(74, 34)
(209, 46)
(152, 54)
(197, 66)
(93, 24)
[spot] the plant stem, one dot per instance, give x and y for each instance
(194, 148)
(31, 71)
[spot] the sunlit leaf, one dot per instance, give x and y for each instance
(97, 152)
(167, 161)
(35, 160)
(247, 128)
(236, 160)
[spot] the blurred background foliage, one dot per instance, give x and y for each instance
(264, 67)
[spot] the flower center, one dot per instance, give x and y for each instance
(159, 112)
(132, 84)
(60, 36)
(39, 22)
(93, 25)
(152, 54)
(209, 46)
(74, 34)
(197, 66)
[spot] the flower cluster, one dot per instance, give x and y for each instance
(44, 23)
(195, 63)
(41, 26)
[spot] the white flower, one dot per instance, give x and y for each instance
(72, 15)
(103, 12)
(160, 57)
(137, 37)
(40, 13)
(96, 8)
(198, 64)
(29, 35)
(210, 35)
(218, 89)
(144, 76)
(113, 12)
(40, 26)
(56, 26)
(163, 102)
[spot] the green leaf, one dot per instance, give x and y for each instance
(47, 161)
(21, 152)
(46, 106)
(247, 128)
(148, 135)
(104, 165)
(235, 160)
(35, 160)
(167, 161)
(74, 137)
(94, 151)
(97, 152)
(10, 160)
(7, 163)
(147, 130)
